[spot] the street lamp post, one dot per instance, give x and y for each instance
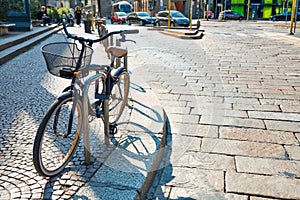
(169, 14)
(191, 15)
(292, 17)
(99, 8)
(248, 11)
(198, 9)
(92, 13)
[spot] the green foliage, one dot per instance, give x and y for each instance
(53, 14)
(56, 13)
(62, 11)
(7, 5)
(34, 8)
(3, 9)
(18, 5)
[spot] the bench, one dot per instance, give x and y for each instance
(4, 28)
(36, 22)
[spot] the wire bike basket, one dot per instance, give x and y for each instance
(61, 58)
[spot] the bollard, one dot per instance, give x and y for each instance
(87, 26)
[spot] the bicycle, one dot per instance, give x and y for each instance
(59, 131)
(101, 28)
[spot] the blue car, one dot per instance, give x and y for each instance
(177, 19)
(284, 16)
(141, 18)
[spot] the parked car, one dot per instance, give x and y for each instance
(229, 14)
(284, 16)
(177, 19)
(141, 18)
(118, 17)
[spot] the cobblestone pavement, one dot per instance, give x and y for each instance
(232, 99)
(27, 90)
(234, 106)
(116, 171)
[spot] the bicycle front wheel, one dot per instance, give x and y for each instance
(57, 136)
(119, 96)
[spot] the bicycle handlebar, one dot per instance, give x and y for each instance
(91, 41)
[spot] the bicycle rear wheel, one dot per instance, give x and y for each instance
(119, 96)
(57, 136)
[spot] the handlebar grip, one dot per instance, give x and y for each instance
(132, 31)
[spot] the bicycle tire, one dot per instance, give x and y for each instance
(119, 96)
(51, 134)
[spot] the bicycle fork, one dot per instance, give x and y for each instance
(75, 94)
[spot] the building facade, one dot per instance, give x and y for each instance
(258, 9)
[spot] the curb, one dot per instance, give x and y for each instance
(156, 168)
(198, 34)
(181, 33)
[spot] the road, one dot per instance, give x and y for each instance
(232, 100)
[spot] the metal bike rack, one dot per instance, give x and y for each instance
(85, 119)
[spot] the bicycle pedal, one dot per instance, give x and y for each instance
(99, 112)
(113, 129)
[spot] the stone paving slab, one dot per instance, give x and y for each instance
(272, 186)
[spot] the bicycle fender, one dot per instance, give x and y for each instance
(67, 89)
(68, 94)
(65, 95)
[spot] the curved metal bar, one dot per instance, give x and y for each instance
(85, 112)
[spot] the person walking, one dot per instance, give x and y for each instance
(78, 13)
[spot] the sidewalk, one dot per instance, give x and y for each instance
(123, 170)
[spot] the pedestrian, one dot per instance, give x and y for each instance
(78, 13)
(42, 15)
(71, 20)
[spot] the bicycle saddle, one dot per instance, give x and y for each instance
(117, 51)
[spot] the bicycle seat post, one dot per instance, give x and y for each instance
(125, 62)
